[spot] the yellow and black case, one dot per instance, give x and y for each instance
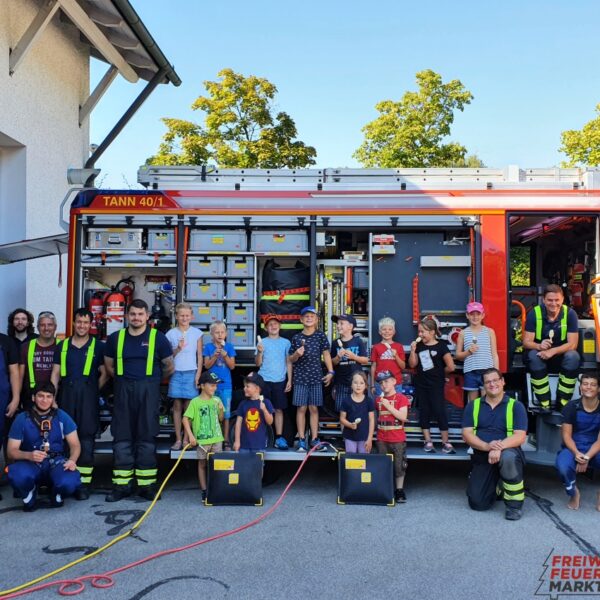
(234, 478)
(366, 479)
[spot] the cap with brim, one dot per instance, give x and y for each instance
(348, 318)
(383, 375)
(475, 307)
(210, 377)
(272, 317)
(308, 309)
(256, 379)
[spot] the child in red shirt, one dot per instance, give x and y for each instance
(392, 412)
(387, 355)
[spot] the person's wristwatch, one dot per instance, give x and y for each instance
(330, 372)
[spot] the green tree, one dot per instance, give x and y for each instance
(582, 147)
(241, 129)
(410, 132)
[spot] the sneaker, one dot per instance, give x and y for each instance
(513, 514)
(428, 447)
(280, 443)
(400, 496)
(317, 442)
(29, 501)
(56, 501)
(448, 448)
(301, 446)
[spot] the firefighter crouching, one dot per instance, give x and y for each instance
(79, 369)
(134, 357)
(495, 426)
(550, 341)
(36, 442)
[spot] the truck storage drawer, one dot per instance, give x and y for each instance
(239, 313)
(226, 240)
(205, 266)
(204, 289)
(114, 238)
(279, 241)
(240, 290)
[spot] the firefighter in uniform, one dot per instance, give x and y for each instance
(495, 426)
(550, 341)
(37, 358)
(134, 357)
(36, 443)
(79, 367)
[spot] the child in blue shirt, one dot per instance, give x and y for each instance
(254, 415)
(276, 369)
(219, 358)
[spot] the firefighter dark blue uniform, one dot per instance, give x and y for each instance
(135, 422)
(46, 433)
(491, 424)
(78, 395)
(566, 364)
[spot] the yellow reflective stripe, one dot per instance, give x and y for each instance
(121, 481)
(85, 479)
(510, 417)
(144, 482)
(563, 324)
(286, 297)
(537, 311)
(120, 344)
(476, 407)
(30, 355)
(513, 487)
(89, 358)
(123, 473)
(85, 470)
(516, 497)
(63, 358)
(567, 380)
(568, 389)
(146, 472)
(151, 346)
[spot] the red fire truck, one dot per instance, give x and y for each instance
(404, 243)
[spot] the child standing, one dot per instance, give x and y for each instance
(392, 412)
(387, 355)
(305, 353)
(348, 353)
(219, 358)
(357, 415)
(433, 360)
(186, 342)
(272, 358)
(476, 346)
(254, 415)
(201, 423)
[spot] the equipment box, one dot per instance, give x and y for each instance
(279, 241)
(204, 289)
(205, 266)
(227, 240)
(241, 266)
(240, 314)
(114, 238)
(161, 239)
(206, 312)
(240, 335)
(240, 290)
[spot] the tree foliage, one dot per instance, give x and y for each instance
(411, 132)
(241, 129)
(582, 147)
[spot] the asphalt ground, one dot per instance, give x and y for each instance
(431, 547)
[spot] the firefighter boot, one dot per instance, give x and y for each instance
(541, 389)
(566, 386)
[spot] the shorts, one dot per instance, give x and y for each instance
(308, 395)
(473, 380)
(224, 394)
(275, 392)
(340, 393)
(182, 385)
(202, 451)
(398, 449)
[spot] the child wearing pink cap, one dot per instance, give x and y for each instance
(476, 346)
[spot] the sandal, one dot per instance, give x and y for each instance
(428, 447)
(176, 446)
(448, 448)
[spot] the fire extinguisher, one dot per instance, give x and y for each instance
(114, 303)
(96, 307)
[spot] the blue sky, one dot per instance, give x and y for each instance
(531, 66)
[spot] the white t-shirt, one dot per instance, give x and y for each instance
(187, 359)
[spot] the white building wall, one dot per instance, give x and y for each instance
(40, 138)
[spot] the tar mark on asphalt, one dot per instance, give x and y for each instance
(545, 506)
(70, 550)
(152, 587)
(120, 518)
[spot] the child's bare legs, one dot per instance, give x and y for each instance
(400, 482)
(444, 436)
(202, 474)
(278, 422)
(426, 435)
(185, 404)
(314, 421)
(226, 430)
(472, 395)
(177, 415)
(301, 421)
